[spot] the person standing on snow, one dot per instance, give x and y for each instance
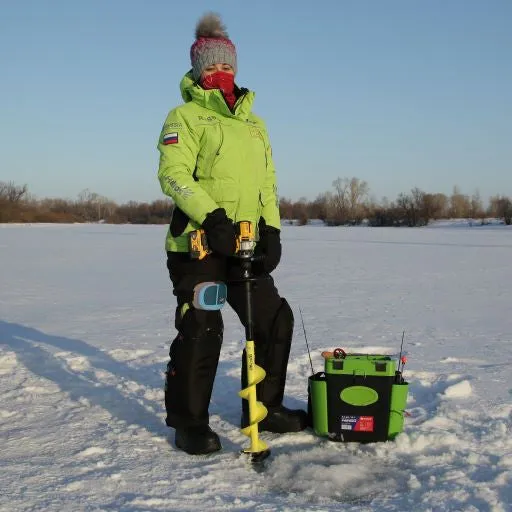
(216, 165)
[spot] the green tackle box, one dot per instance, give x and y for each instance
(358, 397)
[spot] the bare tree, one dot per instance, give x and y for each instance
(285, 208)
(476, 207)
(340, 199)
(440, 206)
(506, 206)
(501, 207)
(460, 204)
(429, 207)
(12, 201)
(348, 199)
(405, 203)
(357, 194)
(319, 208)
(12, 193)
(93, 206)
(418, 198)
(300, 211)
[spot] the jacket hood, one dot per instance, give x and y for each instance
(213, 99)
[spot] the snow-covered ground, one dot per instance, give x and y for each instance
(85, 324)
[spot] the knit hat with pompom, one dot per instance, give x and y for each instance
(212, 45)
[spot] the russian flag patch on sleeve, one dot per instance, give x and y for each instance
(170, 138)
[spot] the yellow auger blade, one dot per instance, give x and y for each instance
(257, 411)
(255, 416)
(258, 374)
(257, 446)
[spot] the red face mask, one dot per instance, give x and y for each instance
(223, 81)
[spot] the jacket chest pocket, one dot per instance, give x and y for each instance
(212, 142)
(258, 153)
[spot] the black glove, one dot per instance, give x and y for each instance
(220, 232)
(269, 245)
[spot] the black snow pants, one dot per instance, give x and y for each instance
(194, 353)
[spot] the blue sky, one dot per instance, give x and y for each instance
(399, 93)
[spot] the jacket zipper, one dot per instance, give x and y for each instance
(217, 152)
(240, 99)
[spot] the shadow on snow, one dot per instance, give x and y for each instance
(28, 344)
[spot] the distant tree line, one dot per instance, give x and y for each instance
(348, 203)
(16, 205)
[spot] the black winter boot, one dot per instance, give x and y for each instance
(281, 420)
(198, 440)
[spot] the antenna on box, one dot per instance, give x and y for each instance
(401, 348)
(307, 344)
(401, 361)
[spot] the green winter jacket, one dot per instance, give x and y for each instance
(213, 158)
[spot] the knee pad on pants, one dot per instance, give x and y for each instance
(194, 356)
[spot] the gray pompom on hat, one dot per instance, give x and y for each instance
(212, 45)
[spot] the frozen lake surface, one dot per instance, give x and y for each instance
(85, 323)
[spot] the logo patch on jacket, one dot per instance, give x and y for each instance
(255, 133)
(170, 138)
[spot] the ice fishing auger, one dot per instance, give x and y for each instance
(213, 296)
(255, 374)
